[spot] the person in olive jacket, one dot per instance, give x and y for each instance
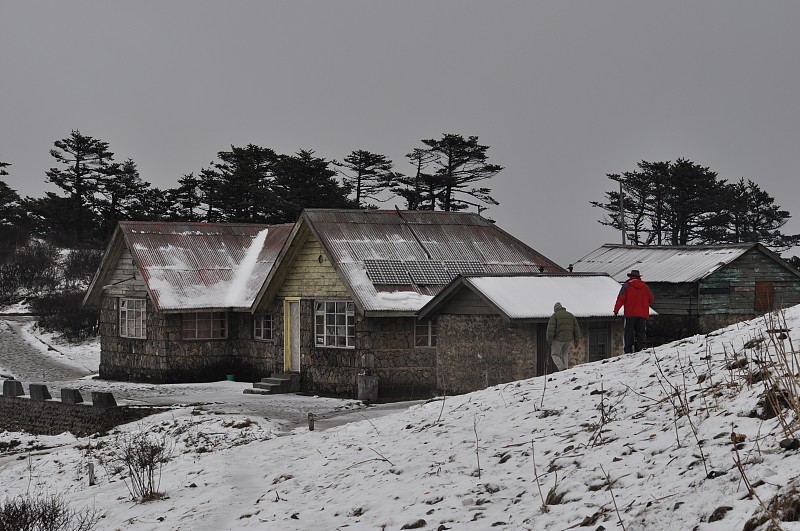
(636, 297)
(562, 332)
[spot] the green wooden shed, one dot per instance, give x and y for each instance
(700, 288)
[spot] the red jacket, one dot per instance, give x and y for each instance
(636, 297)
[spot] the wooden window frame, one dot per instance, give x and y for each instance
(218, 325)
(425, 334)
(133, 311)
(591, 341)
(263, 327)
(334, 324)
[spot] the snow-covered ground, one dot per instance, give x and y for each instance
(667, 439)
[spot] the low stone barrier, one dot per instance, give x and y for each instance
(39, 414)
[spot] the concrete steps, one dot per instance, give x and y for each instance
(274, 385)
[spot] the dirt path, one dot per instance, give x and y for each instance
(25, 362)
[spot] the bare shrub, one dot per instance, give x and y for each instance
(143, 456)
(45, 513)
(37, 267)
(9, 285)
(781, 386)
(62, 312)
(80, 264)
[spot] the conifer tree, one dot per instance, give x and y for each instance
(367, 174)
(459, 163)
(85, 162)
(681, 203)
(305, 181)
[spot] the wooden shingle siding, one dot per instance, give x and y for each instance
(740, 277)
(674, 299)
(125, 279)
(467, 302)
(307, 277)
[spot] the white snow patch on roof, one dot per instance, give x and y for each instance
(236, 293)
(401, 300)
(529, 297)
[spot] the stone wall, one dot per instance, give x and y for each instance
(166, 358)
(255, 359)
(404, 371)
(384, 348)
(478, 351)
(52, 417)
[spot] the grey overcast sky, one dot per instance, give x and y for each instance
(562, 92)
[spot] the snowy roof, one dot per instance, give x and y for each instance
(193, 266)
(396, 261)
(533, 296)
(672, 264)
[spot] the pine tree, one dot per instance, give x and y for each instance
(368, 174)
(460, 162)
(418, 190)
(305, 181)
(124, 196)
(9, 200)
(684, 203)
(243, 178)
(183, 203)
(86, 163)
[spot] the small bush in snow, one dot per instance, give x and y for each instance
(45, 513)
(142, 456)
(62, 312)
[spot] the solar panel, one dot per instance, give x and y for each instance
(429, 272)
(387, 272)
(458, 267)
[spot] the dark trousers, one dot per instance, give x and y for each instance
(635, 332)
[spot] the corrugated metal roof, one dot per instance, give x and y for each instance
(192, 266)
(533, 296)
(673, 264)
(353, 236)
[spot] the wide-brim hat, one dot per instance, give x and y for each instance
(634, 274)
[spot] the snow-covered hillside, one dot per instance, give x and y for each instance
(670, 439)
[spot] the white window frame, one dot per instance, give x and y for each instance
(133, 318)
(334, 324)
(219, 325)
(263, 327)
(425, 334)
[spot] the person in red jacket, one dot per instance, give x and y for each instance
(636, 297)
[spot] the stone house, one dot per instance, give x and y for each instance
(345, 291)
(175, 301)
(492, 328)
(701, 288)
(332, 301)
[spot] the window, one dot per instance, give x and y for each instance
(599, 346)
(132, 313)
(765, 296)
(425, 334)
(335, 324)
(205, 325)
(262, 327)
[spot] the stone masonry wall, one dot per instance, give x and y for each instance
(478, 351)
(384, 348)
(166, 358)
(52, 417)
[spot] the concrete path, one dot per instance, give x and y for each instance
(26, 362)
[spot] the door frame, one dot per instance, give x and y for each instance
(291, 335)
